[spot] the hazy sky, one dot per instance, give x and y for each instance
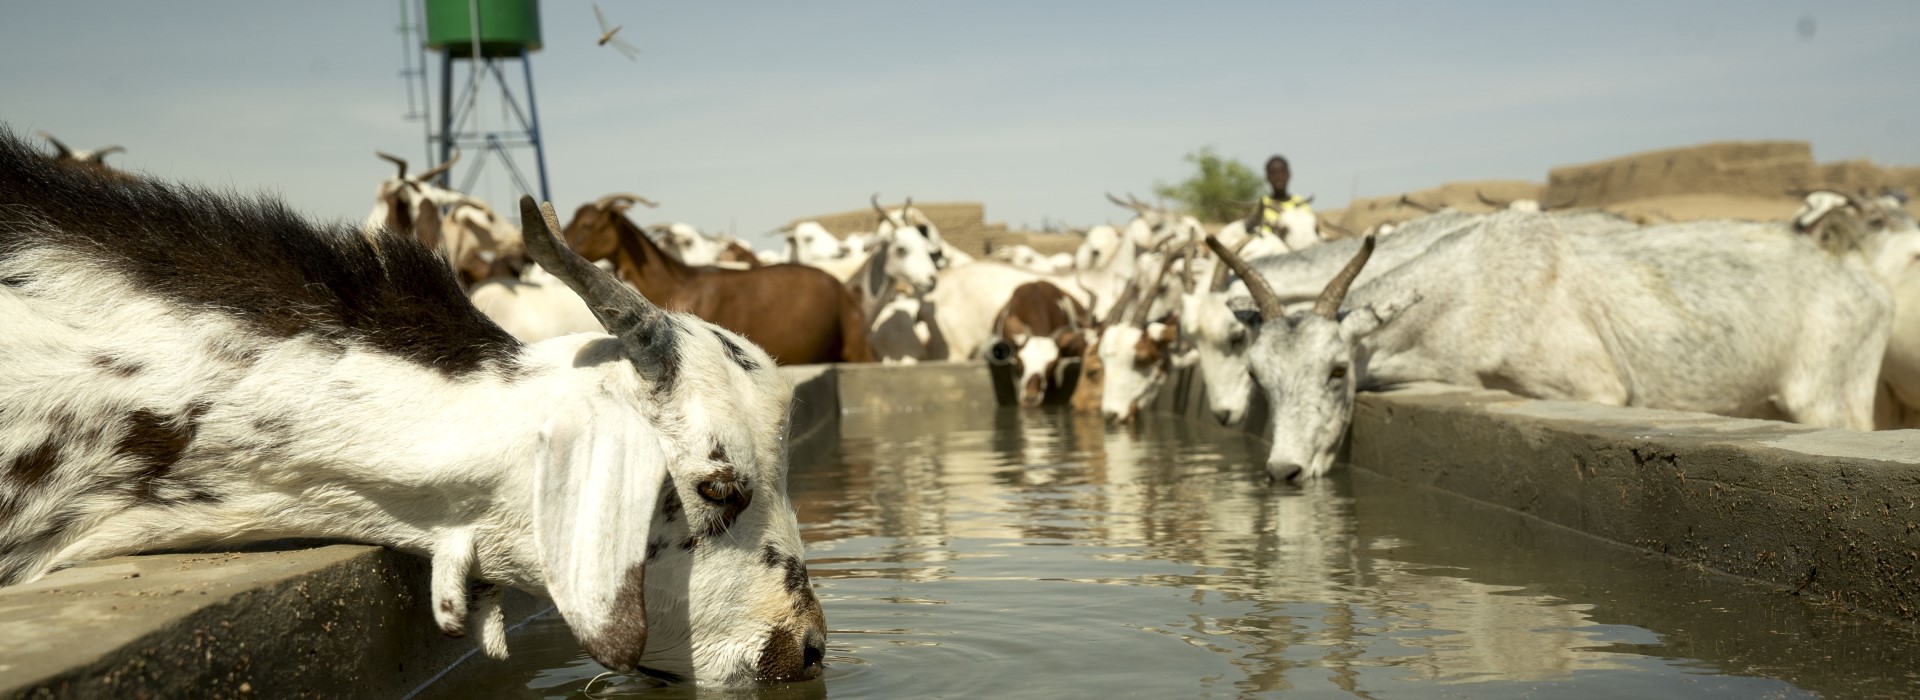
(746, 115)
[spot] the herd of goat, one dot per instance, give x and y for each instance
(1729, 317)
(187, 369)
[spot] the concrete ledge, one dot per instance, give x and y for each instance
(816, 402)
(338, 620)
(918, 387)
(1823, 512)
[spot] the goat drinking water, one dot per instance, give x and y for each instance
(183, 369)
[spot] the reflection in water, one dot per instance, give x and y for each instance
(1044, 554)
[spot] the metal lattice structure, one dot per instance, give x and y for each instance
(478, 43)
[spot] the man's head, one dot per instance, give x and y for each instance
(1278, 173)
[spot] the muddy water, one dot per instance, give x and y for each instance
(981, 554)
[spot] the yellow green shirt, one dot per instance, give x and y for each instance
(1269, 220)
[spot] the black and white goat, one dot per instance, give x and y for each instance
(184, 369)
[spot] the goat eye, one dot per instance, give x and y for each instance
(716, 491)
(1340, 372)
(899, 252)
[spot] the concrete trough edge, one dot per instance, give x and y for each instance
(1830, 514)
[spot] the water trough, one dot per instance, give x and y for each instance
(1829, 515)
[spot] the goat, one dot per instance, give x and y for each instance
(891, 283)
(533, 307)
(186, 369)
(798, 314)
(1138, 356)
(92, 161)
(1880, 233)
(944, 254)
(475, 241)
(688, 245)
(1022, 255)
(809, 243)
(1666, 317)
(411, 205)
(1222, 341)
(1087, 392)
(1040, 332)
(1097, 249)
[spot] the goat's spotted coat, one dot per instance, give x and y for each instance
(186, 369)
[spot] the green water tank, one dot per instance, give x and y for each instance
(507, 27)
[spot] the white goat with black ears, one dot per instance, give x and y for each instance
(182, 369)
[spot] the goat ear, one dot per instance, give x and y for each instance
(426, 225)
(1363, 321)
(1162, 333)
(1072, 343)
(1169, 331)
(597, 486)
(1245, 311)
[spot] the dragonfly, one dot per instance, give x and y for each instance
(607, 37)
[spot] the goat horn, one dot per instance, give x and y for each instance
(878, 210)
(1127, 294)
(435, 171)
(1146, 301)
(1328, 305)
(904, 208)
(1219, 282)
(627, 197)
(1495, 203)
(1135, 206)
(396, 160)
(1407, 200)
(64, 151)
(1562, 204)
(99, 154)
(641, 327)
(1264, 298)
(1191, 253)
(1342, 230)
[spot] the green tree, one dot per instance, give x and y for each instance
(1221, 190)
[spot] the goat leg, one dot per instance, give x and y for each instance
(452, 562)
(491, 620)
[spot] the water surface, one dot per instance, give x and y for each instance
(1041, 554)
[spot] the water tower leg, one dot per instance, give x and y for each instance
(533, 128)
(446, 114)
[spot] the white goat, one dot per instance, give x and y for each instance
(411, 205)
(891, 283)
(1879, 232)
(1222, 341)
(689, 244)
(1097, 249)
(1022, 255)
(809, 243)
(944, 254)
(1667, 317)
(223, 372)
(1138, 356)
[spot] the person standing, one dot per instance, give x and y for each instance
(1266, 219)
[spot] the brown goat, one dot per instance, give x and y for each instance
(798, 314)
